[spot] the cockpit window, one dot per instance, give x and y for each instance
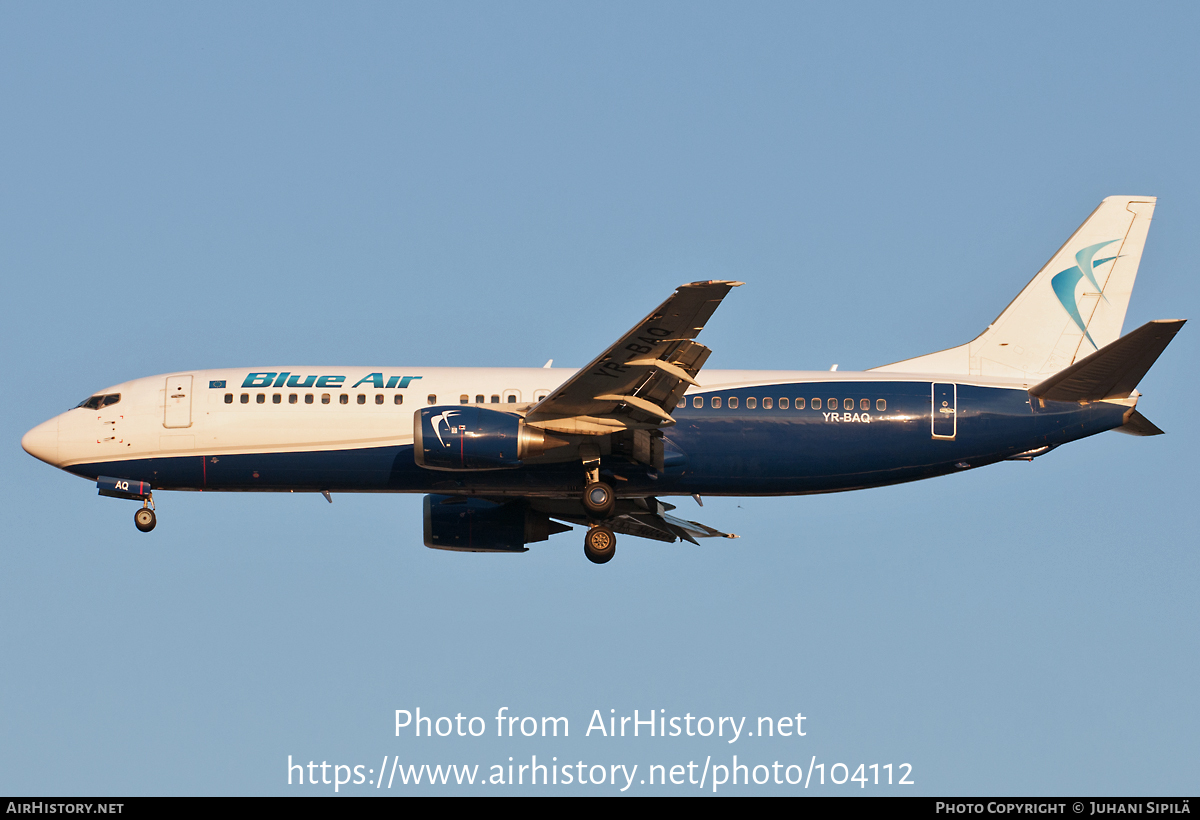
(96, 402)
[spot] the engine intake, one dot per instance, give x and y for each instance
(463, 437)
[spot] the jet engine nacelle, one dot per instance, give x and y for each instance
(477, 525)
(464, 437)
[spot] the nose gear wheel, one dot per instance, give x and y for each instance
(144, 519)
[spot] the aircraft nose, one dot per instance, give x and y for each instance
(42, 441)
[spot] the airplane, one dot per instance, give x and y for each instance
(510, 456)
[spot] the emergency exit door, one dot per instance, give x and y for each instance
(178, 411)
(945, 410)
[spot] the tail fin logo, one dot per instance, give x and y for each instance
(1064, 283)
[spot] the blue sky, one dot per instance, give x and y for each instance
(497, 185)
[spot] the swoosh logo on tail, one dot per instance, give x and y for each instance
(1064, 283)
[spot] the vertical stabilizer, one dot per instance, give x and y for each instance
(1073, 307)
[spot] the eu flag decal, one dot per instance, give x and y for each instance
(220, 383)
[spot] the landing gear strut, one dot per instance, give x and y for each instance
(144, 519)
(600, 544)
(598, 498)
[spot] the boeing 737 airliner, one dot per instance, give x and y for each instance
(505, 455)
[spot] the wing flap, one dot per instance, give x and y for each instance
(642, 517)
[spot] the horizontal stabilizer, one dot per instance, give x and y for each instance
(1138, 425)
(1113, 371)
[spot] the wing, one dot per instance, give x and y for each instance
(639, 379)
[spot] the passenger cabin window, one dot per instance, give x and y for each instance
(276, 398)
(783, 404)
(716, 401)
(752, 403)
(881, 405)
(291, 398)
(464, 398)
(431, 398)
(308, 398)
(800, 404)
(681, 403)
(245, 398)
(512, 399)
(229, 398)
(399, 399)
(733, 402)
(816, 405)
(261, 398)
(495, 399)
(847, 404)
(362, 399)
(541, 394)
(832, 404)
(345, 399)
(379, 398)
(864, 404)
(479, 399)
(324, 398)
(767, 403)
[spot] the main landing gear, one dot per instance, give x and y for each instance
(599, 544)
(599, 500)
(144, 519)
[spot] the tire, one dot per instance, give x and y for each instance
(599, 500)
(600, 545)
(144, 519)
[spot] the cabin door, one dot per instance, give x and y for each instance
(945, 410)
(178, 411)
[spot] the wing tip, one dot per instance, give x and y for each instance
(709, 282)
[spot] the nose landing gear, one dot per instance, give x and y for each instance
(144, 519)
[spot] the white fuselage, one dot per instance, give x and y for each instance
(180, 414)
